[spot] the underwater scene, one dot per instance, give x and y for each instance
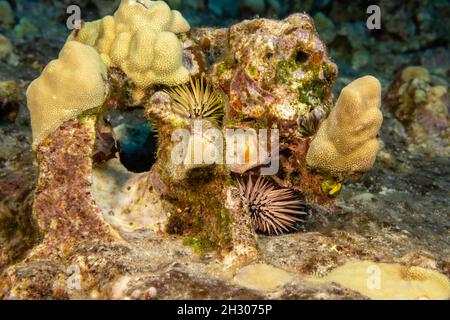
(224, 150)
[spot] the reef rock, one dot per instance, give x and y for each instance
(18, 231)
(181, 219)
(10, 99)
(6, 48)
(422, 107)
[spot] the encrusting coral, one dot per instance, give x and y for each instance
(73, 83)
(390, 281)
(422, 107)
(263, 277)
(140, 40)
(346, 141)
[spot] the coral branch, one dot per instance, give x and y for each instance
(346, 141)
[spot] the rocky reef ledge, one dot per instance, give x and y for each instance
(336, 219)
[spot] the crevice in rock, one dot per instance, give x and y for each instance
(136, 140)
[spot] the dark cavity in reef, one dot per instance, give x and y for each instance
(136, 140)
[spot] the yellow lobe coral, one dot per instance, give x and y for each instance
(346, 141)
(410, 73)
(133, 15)
(88, 34)
(73, 83)
(389, 281)
(140, 39)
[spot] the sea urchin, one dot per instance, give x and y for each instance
(197, 100)
(272, 210)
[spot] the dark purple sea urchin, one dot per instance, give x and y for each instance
(273, 210)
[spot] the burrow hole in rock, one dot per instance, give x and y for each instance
(301, 57)
(136, 140)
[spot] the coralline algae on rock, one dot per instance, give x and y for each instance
(270, 75)
(275, 69)
(274, 74)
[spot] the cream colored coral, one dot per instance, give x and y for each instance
(88, 34)
(140, 39)
(73, 83)
(346, 141)
(133, 15)
(263, 277)
(389, 281)
(413, 72)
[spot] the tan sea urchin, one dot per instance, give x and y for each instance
(197, 100)
(273, 210)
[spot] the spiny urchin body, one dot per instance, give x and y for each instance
(197, 100)
(273, 210)
(309, 123)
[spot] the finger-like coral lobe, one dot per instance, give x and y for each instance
(272, 210)
(73, 83)
(346, 141)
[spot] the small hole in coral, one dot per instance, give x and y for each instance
(269, 55)
(301, 57)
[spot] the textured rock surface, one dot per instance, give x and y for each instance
(63, 205)
(422, 106)
(276, 74)
(397, 213)
(375, 219)
(18, 177)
